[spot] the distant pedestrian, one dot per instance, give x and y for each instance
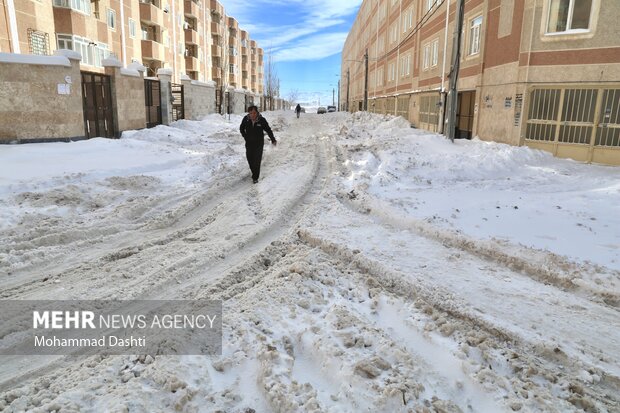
(298, 109)
(253, 128)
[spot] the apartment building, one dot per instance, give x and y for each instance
(541, 73)
(194, 38)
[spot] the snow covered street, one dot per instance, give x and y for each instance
(373, 268)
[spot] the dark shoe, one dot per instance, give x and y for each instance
(255, 180)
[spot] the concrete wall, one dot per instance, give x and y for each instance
(199, 98)
(127, 94)
(500, 105)
(40, 97)
(238, 101)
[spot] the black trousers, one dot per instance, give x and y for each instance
(254, 154)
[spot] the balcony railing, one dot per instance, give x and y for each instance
(192, 64)
(192, 9)
(152, 50)
(191, 36)
(151, 14)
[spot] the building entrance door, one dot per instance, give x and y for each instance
(465, 115)
(97, 105)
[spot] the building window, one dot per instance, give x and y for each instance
(83, 6)
(405, 65)
(426, 60)
(566, 15)
(391, 72)
(380, 76)
(65, 42)
(38, 42)
(394, 32)
(111, 19)
(132, 28)
(434, 52)
(232, 69)
(407, 20)
(92, 53)
(474, 35)
(382, 11)
(429, 4)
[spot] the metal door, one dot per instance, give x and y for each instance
(152, 101)
(465, 115)
(97, 105)
(178, 107)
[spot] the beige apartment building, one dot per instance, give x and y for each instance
(541, 73)
(194, 38)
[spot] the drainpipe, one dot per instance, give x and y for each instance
(123, 42)
(13, 28)
(442, 110)
(374, 89)
(174, 41)
(398, 74)
(527, 75)
(205, 41)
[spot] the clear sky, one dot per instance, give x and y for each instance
(305, 39)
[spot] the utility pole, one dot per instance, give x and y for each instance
(348, 89)
(454, 71)
(333, 96)
(338, 95)
(366, 81)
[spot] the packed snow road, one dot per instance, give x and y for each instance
(350, 280)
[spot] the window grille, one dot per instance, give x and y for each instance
(574, 116)
(39, 42)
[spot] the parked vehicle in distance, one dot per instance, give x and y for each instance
(331, 108)
(321, 109)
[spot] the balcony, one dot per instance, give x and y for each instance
(70, 21)
(215, 28)
(216, 51)
(191, 36)
(216, 73)
(232, 60)
(232, 79)
(192, 9)
(216, 8)
(192, 64)
(151, 15)
(152, 50)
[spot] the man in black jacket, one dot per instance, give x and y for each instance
(253, 128)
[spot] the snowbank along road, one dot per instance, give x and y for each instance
(350, 280)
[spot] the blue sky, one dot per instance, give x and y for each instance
(305, 39)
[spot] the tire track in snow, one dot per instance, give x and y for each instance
(534, 362)
(179, 273)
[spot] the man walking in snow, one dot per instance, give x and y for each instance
(253, 128)
(298, 109)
